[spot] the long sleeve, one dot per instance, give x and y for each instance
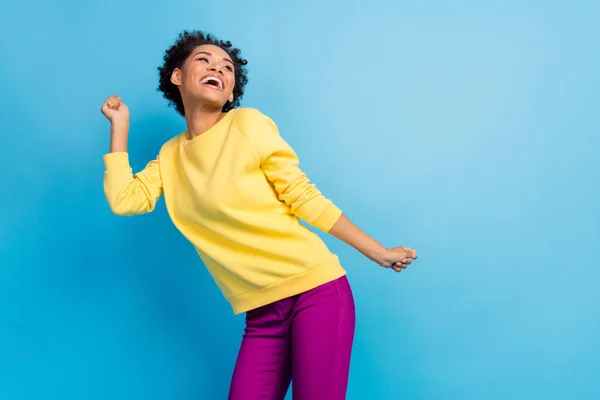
(280, 164)
(129, 194)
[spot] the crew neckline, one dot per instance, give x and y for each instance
(187, 141)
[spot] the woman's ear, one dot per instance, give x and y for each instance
(176, 77)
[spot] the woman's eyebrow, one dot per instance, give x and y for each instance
(210, 54)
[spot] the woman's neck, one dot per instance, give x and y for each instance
(201, 119)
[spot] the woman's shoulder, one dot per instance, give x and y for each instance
(250, 120)
(246, 114)
(172, 143)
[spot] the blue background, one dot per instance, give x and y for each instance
(468, 130)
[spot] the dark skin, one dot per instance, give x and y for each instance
(203, 102)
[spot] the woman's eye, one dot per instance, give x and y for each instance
(229, 68)
(203, 59)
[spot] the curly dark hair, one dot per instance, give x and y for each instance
(175, 56)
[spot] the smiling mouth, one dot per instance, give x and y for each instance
(212, 82)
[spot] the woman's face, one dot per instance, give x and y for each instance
(206, 76)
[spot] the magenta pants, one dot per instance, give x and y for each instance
(304, 339)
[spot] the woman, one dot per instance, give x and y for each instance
(234, 189)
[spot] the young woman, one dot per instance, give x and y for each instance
(234, 189)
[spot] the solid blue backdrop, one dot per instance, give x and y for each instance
(467, 130)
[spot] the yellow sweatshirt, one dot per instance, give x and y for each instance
(236, 193)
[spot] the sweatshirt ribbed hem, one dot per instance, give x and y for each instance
(291, 286)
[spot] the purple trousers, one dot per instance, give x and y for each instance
(306, 339)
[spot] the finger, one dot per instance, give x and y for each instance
(400, 265)
(396, 268)
(406, 261)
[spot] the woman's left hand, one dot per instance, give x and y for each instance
(399, 258)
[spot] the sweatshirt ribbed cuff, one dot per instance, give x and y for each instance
(328, 218)
(118, 159)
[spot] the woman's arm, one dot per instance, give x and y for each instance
(127, 194)
(280, 164)
(396, 258)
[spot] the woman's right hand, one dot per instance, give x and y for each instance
(116, 111)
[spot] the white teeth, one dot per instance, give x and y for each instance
(214, 79)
